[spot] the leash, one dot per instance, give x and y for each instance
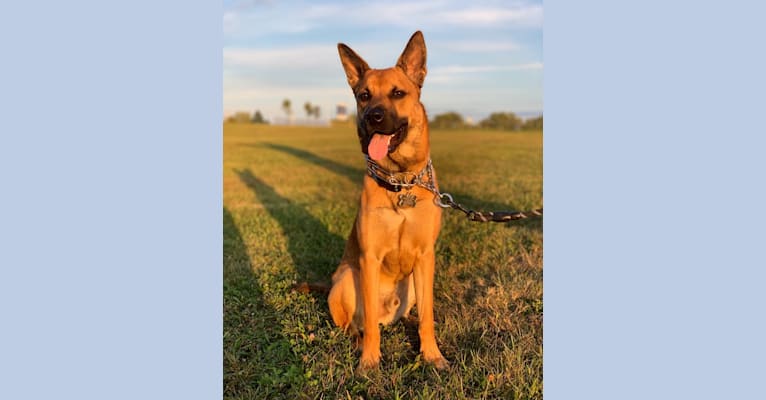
(485, 216)
(395, 182)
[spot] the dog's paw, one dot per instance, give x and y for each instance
(436, 359)
(367, 366)
(440, 363)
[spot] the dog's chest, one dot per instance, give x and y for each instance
(399, 264)
(413, 237)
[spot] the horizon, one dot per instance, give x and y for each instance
(483, 57)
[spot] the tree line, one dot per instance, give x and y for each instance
(450, 120)
(312, 110)
(497, 120)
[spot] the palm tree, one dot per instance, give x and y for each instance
(287, 107)
(309, 109)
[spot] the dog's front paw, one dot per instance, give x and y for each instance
(440, 363)
(367, 365)
(436, 359)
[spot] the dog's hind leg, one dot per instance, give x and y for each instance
(338, 313)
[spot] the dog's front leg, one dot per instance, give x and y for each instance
(370, 282)
(424, 295)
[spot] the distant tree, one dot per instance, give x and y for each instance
(315, 110)
(258, 118)
(241, 117)
(448, 120)
(533, 124)
(309, 109)
(500, 120)
(287, 107)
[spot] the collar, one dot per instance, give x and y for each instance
(395, 181)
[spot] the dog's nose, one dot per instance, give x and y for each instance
(375, 116)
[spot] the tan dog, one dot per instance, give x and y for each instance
(388, 263)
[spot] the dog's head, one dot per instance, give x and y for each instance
(391, 121)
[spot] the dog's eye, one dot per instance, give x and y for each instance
(398, 94)
(364, 96)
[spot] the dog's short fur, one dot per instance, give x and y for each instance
(388, 263)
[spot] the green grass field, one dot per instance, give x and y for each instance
(290, 195)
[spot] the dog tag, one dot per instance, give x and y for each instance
(407, 200)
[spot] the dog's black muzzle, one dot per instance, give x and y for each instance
(378, 120)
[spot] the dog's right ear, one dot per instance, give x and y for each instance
(354, 65)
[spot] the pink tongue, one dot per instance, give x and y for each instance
(378, 147)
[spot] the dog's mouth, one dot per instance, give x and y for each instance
(382, 143)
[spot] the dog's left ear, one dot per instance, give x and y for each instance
(413, 59)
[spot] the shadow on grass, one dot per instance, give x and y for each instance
(250, 326)
(355, 175)
(315, 251)
(235, 258)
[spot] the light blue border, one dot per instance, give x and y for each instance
(654, 168)
(110, 217)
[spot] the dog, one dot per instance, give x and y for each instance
(388, 263)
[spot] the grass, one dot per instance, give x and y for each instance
(290, 195)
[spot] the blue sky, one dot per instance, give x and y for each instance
(483, 56)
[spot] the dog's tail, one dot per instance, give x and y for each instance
(305, 287)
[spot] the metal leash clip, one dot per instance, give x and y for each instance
(438, 200)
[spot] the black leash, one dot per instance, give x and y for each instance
(394, 182)
(484, 216)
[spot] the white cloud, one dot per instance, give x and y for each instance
(520, 15)
(257, 21)
(288, 58)
(387, 13)
(459, 69)
(532, 65)
(468, 46)
(453, 73)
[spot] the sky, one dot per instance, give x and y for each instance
(483, 56)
